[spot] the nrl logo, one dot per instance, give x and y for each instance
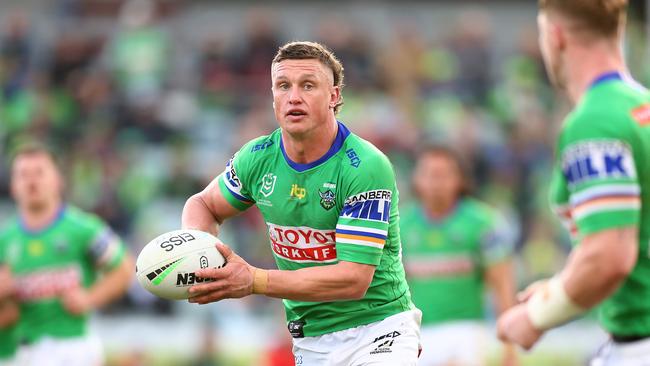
(327, 199)
(268, 184)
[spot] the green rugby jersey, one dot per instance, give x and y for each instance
(602, 181)
(66, 254)
(8, 341)
(341, 207)
(445, 259)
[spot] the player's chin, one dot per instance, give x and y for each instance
(296, 127)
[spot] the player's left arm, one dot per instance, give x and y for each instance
(9, 311)
(496, 253)
(496, 250)
(594, 271)
(115, 266)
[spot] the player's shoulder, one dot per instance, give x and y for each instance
(260, 147)
(362, 155)
(608, 111)
(409, 210)
(82, 220)
(10, 227)
(477, 211)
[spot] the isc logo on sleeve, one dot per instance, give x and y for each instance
(597, 159)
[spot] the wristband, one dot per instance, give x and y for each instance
(260, 281)
(551, 306)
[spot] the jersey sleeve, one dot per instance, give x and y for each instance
(105, 248)
(232, 186)
(496, 242)
(362, 227)
(598, 166)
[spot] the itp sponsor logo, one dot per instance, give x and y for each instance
(298, 192)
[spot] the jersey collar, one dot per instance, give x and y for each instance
(55, 220)
(341, 135)
(607, 76)
(617, 75)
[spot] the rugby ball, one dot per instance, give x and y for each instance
(166, 266)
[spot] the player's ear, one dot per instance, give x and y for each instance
(557, 36)
(335, 96)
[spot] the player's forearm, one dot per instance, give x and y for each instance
(510, 356)
(599, 265)
(197, 215)
(113, 284)
(342, 281)
(501, 280)
(9, 313)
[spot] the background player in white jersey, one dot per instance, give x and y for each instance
(65, 263)
(453, 245)
(600, 185)
(330, 202)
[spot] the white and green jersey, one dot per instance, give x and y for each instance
(602, 182)
(446, 259)
(69, 253)
(342, 207)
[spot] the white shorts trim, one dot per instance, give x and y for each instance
(394, 341)
(459, 343)
(77, 351)
(623, 354)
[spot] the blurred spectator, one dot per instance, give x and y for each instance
(140, 52)
(15, 48)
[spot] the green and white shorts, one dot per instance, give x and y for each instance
(394, 341)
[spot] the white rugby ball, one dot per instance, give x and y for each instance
(166, 266)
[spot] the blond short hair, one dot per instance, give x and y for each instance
(305, 50)
(600, 17)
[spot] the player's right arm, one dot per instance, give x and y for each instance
(207, 209)
(342, 281)
(9, 311)
(599, 172)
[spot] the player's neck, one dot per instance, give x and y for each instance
(38, 218)
(439, 210)
(310, 147)
(593, 62)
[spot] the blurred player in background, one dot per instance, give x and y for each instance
(601, 185)
(453, 245)
(330, 202)
(8, 317)
(64, 262)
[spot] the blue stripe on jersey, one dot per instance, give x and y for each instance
(59, 216)
(612, 75)
(361, 233)
(341, 135)
(238, 196)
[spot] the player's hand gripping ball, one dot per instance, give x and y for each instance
(166, 266)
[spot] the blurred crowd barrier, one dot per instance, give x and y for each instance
(144, 102)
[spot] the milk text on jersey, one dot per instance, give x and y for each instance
(596, 159)
(371, 205)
